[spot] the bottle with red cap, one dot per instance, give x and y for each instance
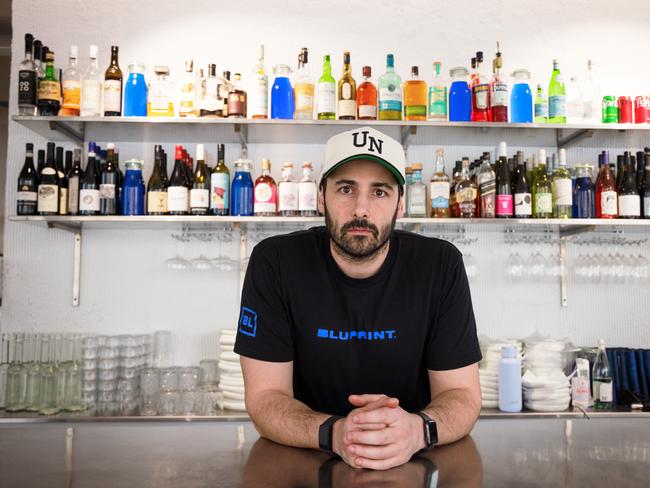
(367, 97)
(177, 192)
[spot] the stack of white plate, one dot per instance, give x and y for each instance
(231, 379)
(546, 387)
(489, 369)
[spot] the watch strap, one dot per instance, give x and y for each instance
(325, 432)
(430, 430)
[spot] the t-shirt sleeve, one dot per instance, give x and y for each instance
(264, 329)
(453, 342)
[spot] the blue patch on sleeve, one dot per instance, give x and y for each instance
(248, 322)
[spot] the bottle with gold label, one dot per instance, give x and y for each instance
(259, 89)
(237, 99)
(347, 91)
(415, 97)
(71, 86)
(465, 194)
(113, 86)
(187, 92)
(304, 89)
(49, 89)
(161, 101)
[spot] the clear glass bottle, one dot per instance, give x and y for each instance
(437, 94)
(64, 354)
(210, 103)
(465, 194)
(187, 91)
(602, 379)
(33, 388)
(303, 89)
(160, 101)
(74, 376)
(541, 106)
(259, 89)
(71, 86)
(574, 104)
(591, 98)
(390, 92)
(417, 193)
(287, 192)
(562, 189)
(49, 378)
(4, 366)
(27, 81)
(16, 377)
(439, 188)
(92, 87)
(307, 192)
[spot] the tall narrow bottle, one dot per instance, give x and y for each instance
(439, 188)
(108, 182)
(390, 92)
(113, 86)
(177, 192)
(591, 98)
(498, 91)
(157, 186)
(16, 377)
(465, 194)
(629, 202)
(48, 186)
(543, 190)
(74, 176)
(4, 366)
(63, 182)
(307, 192)
(49, 89)
(242, 193)
(92, 87)
(266, 195)
(27, 81)
(304, 89)
(347, 91)
(89, 190)
(259, 90)
(415, 97)
(38, 54)
(27, 196)
(417, 193)
(200, 192)
(437, 95)
(187, 99)
(73, 378)
(487, 185)
(541, 106)
(71, 86)
(480, 93)
(556, 96)
(367, 97)
(33, 387)
(209, 104)
(504, 207)
(326, 104)
(606, 191)
(237, 99)
(523, 197)
(646, 188)
(49, 379)
(287, 192)
(220, 185)
(562, 189)
(602, 379)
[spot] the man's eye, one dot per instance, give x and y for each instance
(345, 190)
(380, 193)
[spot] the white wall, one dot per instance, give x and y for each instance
(125, 285)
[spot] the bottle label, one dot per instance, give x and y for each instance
(646, 207)
(264, 197)
(326, 98)
(504, 204)
(608, 203)
(27, 87)
(91, 101)
(523, 204)
(415, 110)
(629, 206)
(48, 198)
(49, 90)
(541, 109)
(488, 204)
(304, 97)
(346, 91)
(63, 201)
(158, 99)
(219, 191)
(605, 391)
(177, 199)
(73, 194)
(499, 95)
(438, 102)
(543, 203)
(439, 194)
(481, 93)
(417, 201)
(259, 96)
(89, 200)
(237, 104)
(71, 94)
(347, 108)
(562, 191)
(466, 195)
(199, 198)
(26, 196)
(107, 191)
(157, 202)
(288, 198)
(112, 95)
(557, 106)
(367, 111)
(307, 195)
(390, 98)
(187, 95)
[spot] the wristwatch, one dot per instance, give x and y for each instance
(430, 430)
(325, 432)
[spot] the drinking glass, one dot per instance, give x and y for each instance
(169, 379)
(209, 373)
(188, 378)
(162, 348)
(167, 401)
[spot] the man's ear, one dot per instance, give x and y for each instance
(321, 201)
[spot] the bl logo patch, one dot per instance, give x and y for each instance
(248, 322)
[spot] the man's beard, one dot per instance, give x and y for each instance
(359, 248)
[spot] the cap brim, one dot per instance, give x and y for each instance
(368, 157)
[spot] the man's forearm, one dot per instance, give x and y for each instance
(285, 420)
(455, 413)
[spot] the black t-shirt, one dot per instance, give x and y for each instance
(354, 336)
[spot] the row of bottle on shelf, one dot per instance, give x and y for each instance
(467, 96)
(537, 187)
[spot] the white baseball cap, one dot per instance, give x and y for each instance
(368, 144)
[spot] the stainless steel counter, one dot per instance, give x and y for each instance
(500, 452)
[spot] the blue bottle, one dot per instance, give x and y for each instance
(509, 380)
(135, 92)
(282, 104)
(460, 98)
(241, 196)
(584, 196)
(521, 98)
(133, 191)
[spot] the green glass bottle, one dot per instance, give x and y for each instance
(542, 189)
(390, 92)
(326, 102)
(541, 106)
(562, 190)
(556, 97)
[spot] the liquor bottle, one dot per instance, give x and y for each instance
(541, 106)
(75, 176)
(498, 91)
(27, 185)
(27, 81)
(38, 53)
(49, 90)
(160, 102)
(89, 189)
(415, 97)
(504, 185)
(157, 186)
(63, 181)
(304, 89)
(108, 201)
(620, 168)
(92, 87)
(629, 202)
(606, 191)
(113, 86)
(574, 107)
(452, 188)
(266, 194)
(466, 193)
(287, 192)
(366, 97)
(390, 92)
(556, 96)
(439, 188)
(189, 170)
(225, 86)
(220, 185)
(487, 185)
(473, 75)
(242, 194)
(347, 91)
(523, 197)
(48, 185)
(437, 95)
(282, 100)
(543, 190)
(307, 192)
(417, 194)
(200, 192)
(326, 104)
(16, 377)
(177, 192)
(480, 93)
(640, 167)
(71, 86)
(120, 179)
(591, 98)
(237, 99)
(259, 90)
(646, 188)
(210, 102)
(187, 99)
(460, 96)
(4, 366)
(602, 379)
(562, 189)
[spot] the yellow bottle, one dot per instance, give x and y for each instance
(304, 89)
(415, 97)
(160, 95)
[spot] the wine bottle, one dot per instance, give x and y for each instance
(48, 186)
(177, 192)
(629, 202)
(27, 185)
(543, 190)
(606, 191)
(646, 188)
(504, 189)
(75, 175)
(220, 185)
(157, 186)
(113, 86)
(41, 161)
(108, 184)
(89, 189)
(523, 197)
(200, 192)
(63, 182)
(562, 189)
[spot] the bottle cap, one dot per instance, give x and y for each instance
(508, 352)
(562, 157)
(287, 165)
(390, 61)
(49, 56)
(408, 170)
(29, 41)
(93, 51)
(179, 152)
(74, 51)
(601, 343)
(440, 152)
(266, 164)
(541, 156)
(306, 164)
(189, 65)
(416, 166)
(503, 149)
(200, 152)
(479, 56)
(110, 146)
(134, 164)
(30, 147)
(415, 71)
(260, 52)
(161, 70)
(366, 71)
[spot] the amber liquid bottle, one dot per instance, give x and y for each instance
(347, 91)
(415, 97)
(113, 86)
(366, 97)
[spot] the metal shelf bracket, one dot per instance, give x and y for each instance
(573, 138)
(75, 135)
(405, 135)
(76, 256)
(242, 132)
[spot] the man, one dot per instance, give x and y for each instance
(357, 338)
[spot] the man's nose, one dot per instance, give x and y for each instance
(361, 206)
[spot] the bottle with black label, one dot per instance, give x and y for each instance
(113, 86)
(75, 176)
(63, 182)
(89, 189)
(108, 184)
(48, 186)
(177, 192)
(49, 89)
(27, 81)
(27, 185)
